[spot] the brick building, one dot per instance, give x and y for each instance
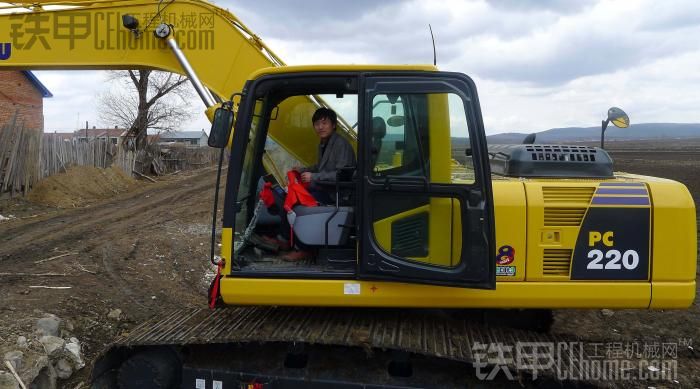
(23, 93)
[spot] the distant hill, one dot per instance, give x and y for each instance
(641, 131)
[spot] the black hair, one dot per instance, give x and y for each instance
(325, 113)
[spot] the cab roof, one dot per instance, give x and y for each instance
(338, 68)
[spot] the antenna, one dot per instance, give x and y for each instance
(433, 38)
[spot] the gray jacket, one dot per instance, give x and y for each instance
(338, 154)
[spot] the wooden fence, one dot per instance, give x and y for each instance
(165, 159)
(183, 157)
(26, 157)
(19, 157)
(58, 153)
(126, 160)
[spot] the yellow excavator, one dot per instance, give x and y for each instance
(430, 219)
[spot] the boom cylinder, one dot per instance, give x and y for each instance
(202, 91)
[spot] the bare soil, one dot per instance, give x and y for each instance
(79, 186)
(146, 252)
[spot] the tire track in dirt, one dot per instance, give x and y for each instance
(114, 275)
(124, 215)
(114, 211)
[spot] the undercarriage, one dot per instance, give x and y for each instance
(289, 347)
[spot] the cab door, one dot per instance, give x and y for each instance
(427, 208)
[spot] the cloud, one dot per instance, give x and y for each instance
(540, 42)
(73, 101)
(605, 38)
(560, 6)
(309, 13)
(659, 91)
(537, 64)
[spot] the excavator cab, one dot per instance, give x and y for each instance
(416, 208)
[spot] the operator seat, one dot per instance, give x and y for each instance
(311, 222)
(329, 224)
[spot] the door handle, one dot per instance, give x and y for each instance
(405, 180)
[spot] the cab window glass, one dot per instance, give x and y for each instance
(399, 136)
(421, 135)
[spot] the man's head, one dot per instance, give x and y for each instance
(324, 121)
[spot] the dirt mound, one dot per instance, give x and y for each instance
(81, 185)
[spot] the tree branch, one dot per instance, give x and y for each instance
(158, 100)
(134, 79)
(168, 90)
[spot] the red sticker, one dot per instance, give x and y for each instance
(505, 256)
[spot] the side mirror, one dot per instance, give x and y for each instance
(618, 117)
(220, 128)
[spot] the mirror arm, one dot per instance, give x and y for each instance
(603, 127)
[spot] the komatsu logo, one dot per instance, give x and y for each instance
(5, 51)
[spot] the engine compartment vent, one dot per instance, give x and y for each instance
(530, 160)
(562, 153)
(563, 217)
(577, 194)
(556, 262)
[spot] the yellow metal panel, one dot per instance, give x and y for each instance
(510, 211)
(555, 209)
(352, 293)
(444, 233)
(674, 248)
(440, 232)
(672, 294)
(439, 138)
(227, 248)
(441, 223)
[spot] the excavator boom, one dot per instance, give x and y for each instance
(90, 35)
(74, 35)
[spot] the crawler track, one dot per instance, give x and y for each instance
(429, 333)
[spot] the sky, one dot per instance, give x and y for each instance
(537, 64)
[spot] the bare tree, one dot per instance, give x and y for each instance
(145, 99)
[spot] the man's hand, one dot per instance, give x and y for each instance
(306, 177)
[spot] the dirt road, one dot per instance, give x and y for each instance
(141, 252)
